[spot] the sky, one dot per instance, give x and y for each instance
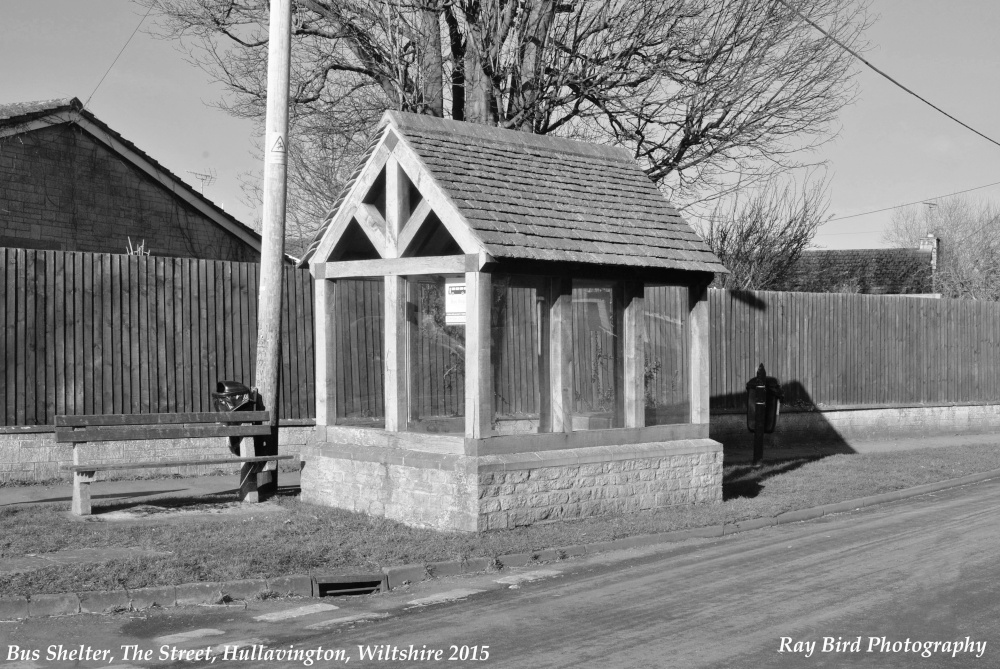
(891, 148)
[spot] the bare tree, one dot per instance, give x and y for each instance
(759, 237)
(968, 264)
(708, 95)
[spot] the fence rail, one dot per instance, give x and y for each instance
(85, 333)
(835, 349)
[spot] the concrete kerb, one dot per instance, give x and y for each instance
(399, 576)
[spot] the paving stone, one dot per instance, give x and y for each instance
(53, 605)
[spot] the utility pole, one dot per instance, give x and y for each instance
(272, 249)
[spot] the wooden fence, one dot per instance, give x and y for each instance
(91, 333)
(84, 333)
(834, 349)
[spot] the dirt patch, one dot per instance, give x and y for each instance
(161, 512)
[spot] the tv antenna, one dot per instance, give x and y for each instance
(205, 178)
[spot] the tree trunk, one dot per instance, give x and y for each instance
(431, 64)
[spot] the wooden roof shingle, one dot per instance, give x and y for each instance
(536, 197)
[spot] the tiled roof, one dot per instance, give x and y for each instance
(536, 197)
(16, 113)
(884, 271)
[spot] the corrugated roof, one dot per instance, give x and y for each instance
(881, 271)
(16, 113)
(546, 198)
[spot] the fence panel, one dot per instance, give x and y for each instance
(836, 350)
(101, 333)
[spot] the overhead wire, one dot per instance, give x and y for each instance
(911, 92)
(877, 70)
(125, 46)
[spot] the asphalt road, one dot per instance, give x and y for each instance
(923, 570)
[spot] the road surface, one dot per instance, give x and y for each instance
(866, 589)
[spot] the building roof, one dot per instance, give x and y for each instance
(525, 196)
(875, 271)
(20, 117)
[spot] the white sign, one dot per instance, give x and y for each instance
(454, 301)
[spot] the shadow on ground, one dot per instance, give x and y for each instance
(747, 480)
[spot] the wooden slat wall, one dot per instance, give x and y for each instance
(84, 333)
(360, 346)
(832, 349)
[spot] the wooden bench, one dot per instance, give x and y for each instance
(80, 430)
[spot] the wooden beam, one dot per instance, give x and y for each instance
(324, 345)
(342, 217)
(396, 338)
(397, 205)
(457, 264)
(373, 225)
(478, 372)
(699, 347)
(634, 358)
(413, 225)
(438, 200)
(561, 355)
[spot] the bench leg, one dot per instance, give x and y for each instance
(81, 493)
(249, 472)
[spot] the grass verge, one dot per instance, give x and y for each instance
(301, 538)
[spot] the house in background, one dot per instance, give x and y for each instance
(69, 182)
(868, 271)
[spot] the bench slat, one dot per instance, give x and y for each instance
(139, 432)
(163, 418)
(100, 467)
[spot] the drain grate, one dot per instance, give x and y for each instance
(342, 585)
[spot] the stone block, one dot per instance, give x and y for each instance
(474, 565)
(103, 601)
(399, 576)
(53, 605)
(13, 608)
(301, 586)
(443, 569)
(515, 559)
(246, 589)
(190, 594)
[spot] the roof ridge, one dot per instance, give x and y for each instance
(408, 121)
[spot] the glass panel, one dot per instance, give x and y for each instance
(519, 343)
(358, 322)
(597, 356)
(437, 356)
(665, 337)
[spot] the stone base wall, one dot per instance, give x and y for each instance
(452, 491)
(416, 493)
(34, 456)
(651, 476)
(853, 428)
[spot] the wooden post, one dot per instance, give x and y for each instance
(81, 484)
(325, 338)
(478, 372)
(699, 343)
(635, 396)
(561, 355)
(272, 250)
(396, 346)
